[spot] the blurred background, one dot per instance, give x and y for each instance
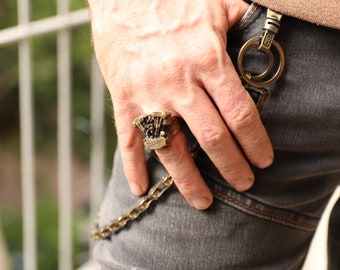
(56, 48)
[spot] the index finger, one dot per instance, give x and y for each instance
(132, 151)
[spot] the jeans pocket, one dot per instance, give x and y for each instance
(251, 14)
(248, 202)
(249, 25)
(251, 206)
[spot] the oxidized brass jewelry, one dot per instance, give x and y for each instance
(264, 44)
(133, 213)
(158, 128)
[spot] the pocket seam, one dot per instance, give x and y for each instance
(288, 221)
(248, 17)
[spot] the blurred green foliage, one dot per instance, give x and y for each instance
(44, 70)
(47, 237)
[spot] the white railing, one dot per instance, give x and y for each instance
(61, 23)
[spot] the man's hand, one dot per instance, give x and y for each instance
(171, 55)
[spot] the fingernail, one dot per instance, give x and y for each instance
(201, 203)
(136, 189)
(266, 163)
(244, 184)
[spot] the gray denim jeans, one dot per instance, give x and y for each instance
(271, 225)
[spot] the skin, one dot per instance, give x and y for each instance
(170, 55)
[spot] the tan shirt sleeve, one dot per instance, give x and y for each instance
(321, 12)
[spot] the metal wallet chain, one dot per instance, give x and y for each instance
(136, 209)
(262, 44)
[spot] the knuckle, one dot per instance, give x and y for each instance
(170, 66)
(212, 137)
(243, 119)
(209, 58)
(128, 141)
(186, 185)
(131, 166)
(233, 169)
(176, 156)
(174, 71)
(237, 172)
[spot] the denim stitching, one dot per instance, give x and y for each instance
(247, 19)
(267, 215)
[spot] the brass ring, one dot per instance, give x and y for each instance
(257, 80)
(158, 127)
(268, 69)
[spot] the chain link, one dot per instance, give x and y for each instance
(135, 210)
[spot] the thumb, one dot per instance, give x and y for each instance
(234, 10)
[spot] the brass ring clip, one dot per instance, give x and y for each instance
(264, 44)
